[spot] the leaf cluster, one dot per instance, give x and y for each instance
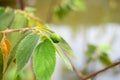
(39, 40)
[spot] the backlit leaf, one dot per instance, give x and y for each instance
(20, 21)
(91, 50)
(44, 60)
(25, 49)
(6, 19)
(62, 11)
(78, 4)
(66, 47)
(13, 51)
(2, 10)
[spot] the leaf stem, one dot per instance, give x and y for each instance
(16, 30)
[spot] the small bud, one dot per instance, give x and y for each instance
(55, 38)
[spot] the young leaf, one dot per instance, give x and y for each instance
(1, 65)
(66, 47)
(104, 59)
(20, 21)
(78, 4)
(13, 51)
(62, 11)
(67, 62)
(91, 50)
(6, 19)
(44, 60)
(25, 49)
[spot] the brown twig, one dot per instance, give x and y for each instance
(79, 74)
(98, 72)
(21, 4)
(16, 30)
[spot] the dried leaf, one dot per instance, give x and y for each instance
(6, 47)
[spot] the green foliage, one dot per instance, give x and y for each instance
(63, 57)
(62, 11)
(77, 4)
(104, 59)
(44, 60)
(25, 41)
(99, 53)
(6, 19)
(1, 65)
(66, 47)
(25, 50)
(91, 50)
(71, 5)
(20, 21)
(18, 77)
(13, 51)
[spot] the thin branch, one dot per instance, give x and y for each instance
(79, 74)
(98, 72)
(16, 30)
(21, 4)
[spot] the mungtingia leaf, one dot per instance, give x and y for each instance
(64, 58)
(44, 60)
(20, 21)
(66, 47)
(25, 50)
(6, 19)
(91, 50)
(13, 50)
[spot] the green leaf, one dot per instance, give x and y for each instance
(91, 50)
(6, 19)
(104, 59)
(64, 58)
(44, 60)
(13, 51)
(1, 65)
(66, 47)
(62, 11)
(31, 22)
(105, 48)
(78, 4)
(2, 10)
(20, 21)
(25, 49)
(18, 77)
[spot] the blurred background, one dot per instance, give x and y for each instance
(91, 27)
